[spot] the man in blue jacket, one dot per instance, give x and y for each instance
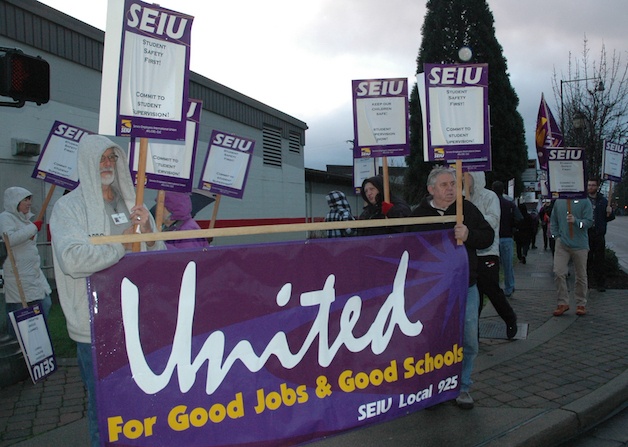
(602, 213)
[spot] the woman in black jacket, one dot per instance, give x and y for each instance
(376, 208)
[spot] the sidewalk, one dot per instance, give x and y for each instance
(569, 373)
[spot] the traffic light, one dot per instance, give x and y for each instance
(24, 77)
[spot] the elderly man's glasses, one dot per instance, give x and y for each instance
(112, 158)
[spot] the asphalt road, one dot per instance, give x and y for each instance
(617, 240)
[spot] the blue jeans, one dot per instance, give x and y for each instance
(470, 343)
(86, 367)
(505, 257)
(45, 303)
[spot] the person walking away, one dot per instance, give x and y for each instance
(477, 234)
(551, 240)
(523, 235)
(339, 211)
(602, 214)
(510, 215)
(488, 258)
(178, 217)
(544, 219)
(102, 204)
(22, 236)
(375, 208)
(535, 228)
(570, 229)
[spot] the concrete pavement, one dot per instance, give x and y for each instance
(566, 375)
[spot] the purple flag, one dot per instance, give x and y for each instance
(548, 134)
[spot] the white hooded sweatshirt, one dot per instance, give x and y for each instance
(21, 233)
(488, 203)
(76, 217)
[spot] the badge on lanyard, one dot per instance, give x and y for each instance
(119, 218)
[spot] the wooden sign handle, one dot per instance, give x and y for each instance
(5, 238)
(459, 205)
(141, 179)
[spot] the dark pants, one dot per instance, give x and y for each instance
(523, 245)
(595, 262)
(488, 284)
(545, 241)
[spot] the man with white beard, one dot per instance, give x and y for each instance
(102, 204)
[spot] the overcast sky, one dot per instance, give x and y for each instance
(300, 56)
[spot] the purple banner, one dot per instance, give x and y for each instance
(380, 118)
(154, 72)
(170, 164)
(58, 162)
(458, 123)
(276, 344)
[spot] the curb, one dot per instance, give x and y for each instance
(558, 426)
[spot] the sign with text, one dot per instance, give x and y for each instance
(380, 118)
(456, 115)
(212, 348)
(566, 172)
(227, 164)
(363, 168)
(34, 339)
(613, 161)
(146, 61)
(169, 164)
(58, 161)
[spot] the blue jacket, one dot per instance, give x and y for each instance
(600, 218)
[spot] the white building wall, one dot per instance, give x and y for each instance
(270, 193)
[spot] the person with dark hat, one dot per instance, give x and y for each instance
(376, 208)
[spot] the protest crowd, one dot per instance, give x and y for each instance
(282, 342)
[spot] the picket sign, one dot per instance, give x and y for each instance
(31, 330)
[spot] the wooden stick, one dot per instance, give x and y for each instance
(159, 211)
(42, 211)
(570, 223)
(5, 238)
(386, 179)
(268, 229)
(141, 179)
(212, 223)
(459, 215)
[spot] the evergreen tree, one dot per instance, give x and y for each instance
(448, 26)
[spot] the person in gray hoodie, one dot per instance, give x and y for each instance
(102, 204)
(488, 258)
(22, 234)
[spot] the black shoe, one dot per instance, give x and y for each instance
(523, 260)
(511, 330)
(534, 247)
(601, 289)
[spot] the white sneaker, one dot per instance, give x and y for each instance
(464, 401)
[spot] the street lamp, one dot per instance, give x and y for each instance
(579, 116)
(465, 54)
